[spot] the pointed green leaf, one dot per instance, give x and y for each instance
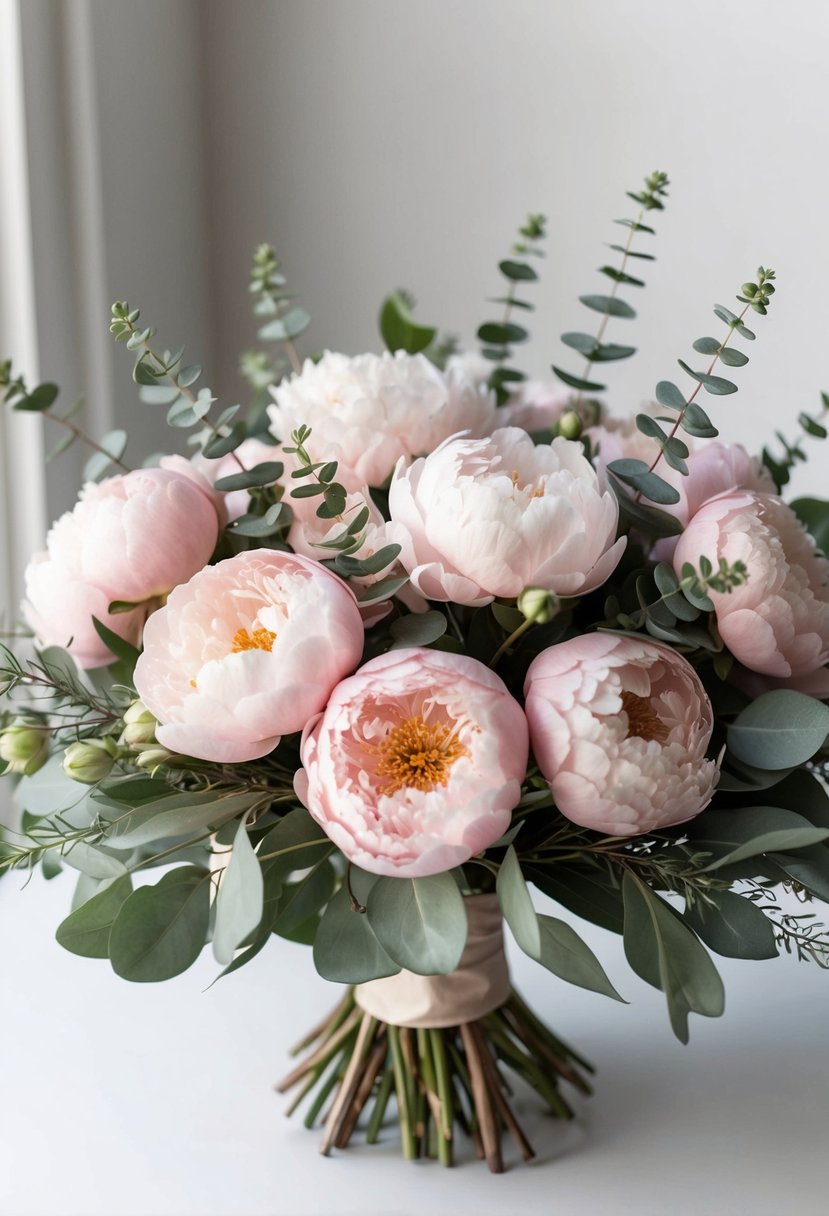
(780, 729)
(86, 930)
(420, 922)
(734, 927)
(346, 949)
(160, 930)
(240, 898)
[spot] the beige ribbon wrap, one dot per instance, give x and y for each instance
(479, 984)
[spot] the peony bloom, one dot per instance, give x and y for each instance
(205, 473)
(246, 652)
(370, 411)
(777, 622)
(536, 405)
(619, 727)
(480, 518)
(132, 537)
(416, 763)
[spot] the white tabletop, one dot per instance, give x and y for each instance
(124, 1099)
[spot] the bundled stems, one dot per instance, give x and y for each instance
(443, 1080)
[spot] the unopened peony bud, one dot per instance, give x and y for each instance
(151, 757)
(24, 746)
(139, 726)
(569, 425)
(538, 605)
(88, 761)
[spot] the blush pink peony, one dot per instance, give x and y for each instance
(205, 473)
(246, 652)
(370, 411)
(620, 727)
(132, 537)
(777, 622)
(480, 518)
(416, 763)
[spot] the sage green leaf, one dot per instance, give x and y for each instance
(86, 930)
(637, 474)
(420, 922)
(220, 445)
(178, 815)
(717, 385)
(240, 899)
(651, 520)
(809, 867)
(346, 949)
(802, 792)
(743, 832)
(516, 905)
(259, 525)
(668, 394)
(502, 333)
(160, 930)
(565, 954)
(781, 729)
(731, 357)
(584, 894)
(707, 346)
(122, 649)
(398, 327)
(94, 862)
(648, 257)
(418, 628)
(609, 305)
(264, 474)
(664, 952)
(696, 422)
(619, 276)
(299, 902)
(814, 514)
(585, 386)
(517, 271)
(39, 399)
(734, 927)
(295, 843)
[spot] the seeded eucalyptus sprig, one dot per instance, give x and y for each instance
(285, 320)
(592, 346)
(334, 506)
(109, 450)
(690, 417)
(499, 337)
(781, 467)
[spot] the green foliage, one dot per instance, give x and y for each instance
(740, 833)
(549, 941)
(240, 901)
(86, 930)
(813, 513)
(500, 336)
(732, 925)
(398, 328)
(346, 948)
(781, 729)
(691, 417)
(780, 466)
(283, 323)
(664, 952)
(592, 347)
(419, 922)
(159, 931)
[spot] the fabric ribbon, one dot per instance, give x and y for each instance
(479, 984)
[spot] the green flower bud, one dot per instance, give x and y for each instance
(88, 761)
(153, 756)
(538, 605)
(569, 425)
(139, 726)
(24, 746)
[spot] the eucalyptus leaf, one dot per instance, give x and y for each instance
(717, 385)
(609, 305)
(637, 474)
(418, 628)
(420, 922)
(517, 272)
(177, 815)
(264, 474)
(94, 862)
(781, 729)
(742, 832)
(585, 386)
(516, 905)
(668, 394)
(160, 930)
(664, 952)
(300, 901)
(240, 898)
(813, 513)
(346, 949)
(86, 930)
(733, 927)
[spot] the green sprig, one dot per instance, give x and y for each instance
(499, 337)
(592, 346)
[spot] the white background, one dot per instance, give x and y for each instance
(379, 143)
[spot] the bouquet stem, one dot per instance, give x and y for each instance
(444, 1080)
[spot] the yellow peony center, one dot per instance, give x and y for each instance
(260, 639)
(417, 755)
(643, 720)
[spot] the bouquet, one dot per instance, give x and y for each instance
(412, 636)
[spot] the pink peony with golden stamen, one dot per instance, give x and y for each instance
(416, 763)
(246, 652)
(620, 727)
(777, 622)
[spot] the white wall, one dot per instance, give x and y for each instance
(379, 142)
